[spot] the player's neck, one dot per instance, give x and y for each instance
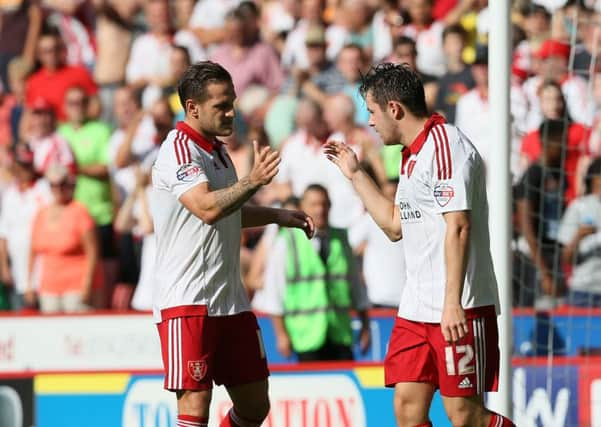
(207, 136)
(412, 129)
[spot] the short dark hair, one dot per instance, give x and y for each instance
(184, 50)
(319, 188)
(454, 29)
(194, 82)
(395, 82)
(404, 41)
(593, 170)
(552, 130)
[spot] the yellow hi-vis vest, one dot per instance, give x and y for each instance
(317, 299)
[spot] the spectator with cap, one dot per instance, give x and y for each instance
(89, 141)
(321, 77)
(554, 56)
(55, 77)
(39, 131)
(64, 250)
(248, 60)
(20, 203)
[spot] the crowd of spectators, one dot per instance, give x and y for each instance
(88, 89)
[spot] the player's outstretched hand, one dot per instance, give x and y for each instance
(297, 219)
(453, 323)
(265, 166)
(342, 156)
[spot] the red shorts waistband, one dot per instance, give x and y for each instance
(184, 311)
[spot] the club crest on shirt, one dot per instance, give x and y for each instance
(188, 172)
(197, 369)
(443, 194)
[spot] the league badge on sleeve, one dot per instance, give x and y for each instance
(443, 194)
(197, 369)
(188, 172)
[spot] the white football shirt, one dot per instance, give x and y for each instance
(442, 172)
(196, 263)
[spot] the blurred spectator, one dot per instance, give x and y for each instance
(147, 64)
(17, 73)
(20, 203)
(303, 162)
(184, 36)
(458, 79)
(295, 53)
(248, 60)
(55, 77)
(134, 218)
(134, 140)
(351, 63)
(311, 286)
(472, 114)
(553, 107)
(7, 103)
(179, 61)
(590, 24)
(554, 56)
(580, 234)
(540, 205)
(89, 141)
(208, 21)
(386, 26)
(113, 36)
(21, 25)
(356, 18)
(321, 77)
(74, 20)
(39, 131)
(383, 261)
(404, 51)
(536, 25)
(64, 250)
(427, 34)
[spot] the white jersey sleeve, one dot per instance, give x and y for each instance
(454, 170)
(179, 168)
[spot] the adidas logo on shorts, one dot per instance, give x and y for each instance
(465, 383)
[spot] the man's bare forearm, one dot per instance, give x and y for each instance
(258, 216)
(230, 199)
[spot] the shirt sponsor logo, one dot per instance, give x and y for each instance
(409, 213)
(197, 369)
(443, 194)
(187, 173)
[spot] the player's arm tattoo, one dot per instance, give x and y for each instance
(230, 199)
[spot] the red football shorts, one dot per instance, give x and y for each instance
(198, 349)
(418, 352)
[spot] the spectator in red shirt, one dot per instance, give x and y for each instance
(55, 77)
(553, 107)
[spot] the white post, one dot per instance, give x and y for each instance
(499, 196)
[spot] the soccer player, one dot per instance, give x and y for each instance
(207, 331)
(445, 335)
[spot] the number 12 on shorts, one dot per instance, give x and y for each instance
(464, 354)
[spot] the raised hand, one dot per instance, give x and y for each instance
(342, 156)
(265, 165)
